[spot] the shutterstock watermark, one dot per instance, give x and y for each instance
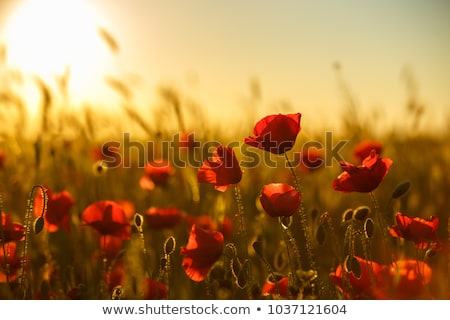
(187, 151)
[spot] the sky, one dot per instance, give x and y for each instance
(210, 51)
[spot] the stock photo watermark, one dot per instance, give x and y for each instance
(187, 151)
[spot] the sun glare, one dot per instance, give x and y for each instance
(46, 37)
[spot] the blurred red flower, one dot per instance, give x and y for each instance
(404, 280)
(311, 159)
(128, 207)
(401, 280)
(363, 149)
(58, 209)
(154, 290)
(278, 287)
(207, 222)
(108, 152)
(163, 218)
(275, 133)
(203, 249)
(362, 178)
(3, 156)
(279, 199)
(111, 246)
(14, 262)
(222, 170)
(421, 231)
(11, 231)
(156, 173)
(107, 218)
(357, 286)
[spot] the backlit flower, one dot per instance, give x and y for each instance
(12, 231)
(154, 290)
(156, 173)
(14, 262)
(404, 280)
(311, 159)
(222, 170)
(107, 218)
(275, 133)
(362, 178)
(108, 152)
(224, 225)
(203, 249)
(163, 218)
(421, 231)
(3, 157)
(278, 287)
(357, 286)
(279, 199)
(58, 209)
(363, 149)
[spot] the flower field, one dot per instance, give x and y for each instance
(96, 206)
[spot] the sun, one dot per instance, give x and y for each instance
(47, 38)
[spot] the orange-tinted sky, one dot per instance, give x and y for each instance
(210, 50)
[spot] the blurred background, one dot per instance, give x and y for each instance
(226, 56)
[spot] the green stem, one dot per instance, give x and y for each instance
(382, 227)
(310, 264)
(242, 232)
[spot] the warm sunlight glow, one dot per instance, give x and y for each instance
(47, 38)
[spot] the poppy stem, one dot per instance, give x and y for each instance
(243, 233)
(291, 242)
(104, 268)
(22, 289)
(303, 219)
(382, 227)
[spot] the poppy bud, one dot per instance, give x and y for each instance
(369, 228)
(38, 225)
(401, 189)
(361, 213)
(321, 235)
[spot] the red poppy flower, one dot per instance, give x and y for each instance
(154, 290)
(58, 210)
(207, 222)
(156, 173)
(203, 249)
(222, 170)
(163, 218)
(365, 147)
(404, 280)
(108, 152)
(12, 231)
(276, 287)
(357, 286)
(111, 246)
(107, 218)
(362, 178)
(128, 207)
(275, 133)
(3, 157)
(14, 262)
(421, 231)
(279, 199)
(311, 159)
